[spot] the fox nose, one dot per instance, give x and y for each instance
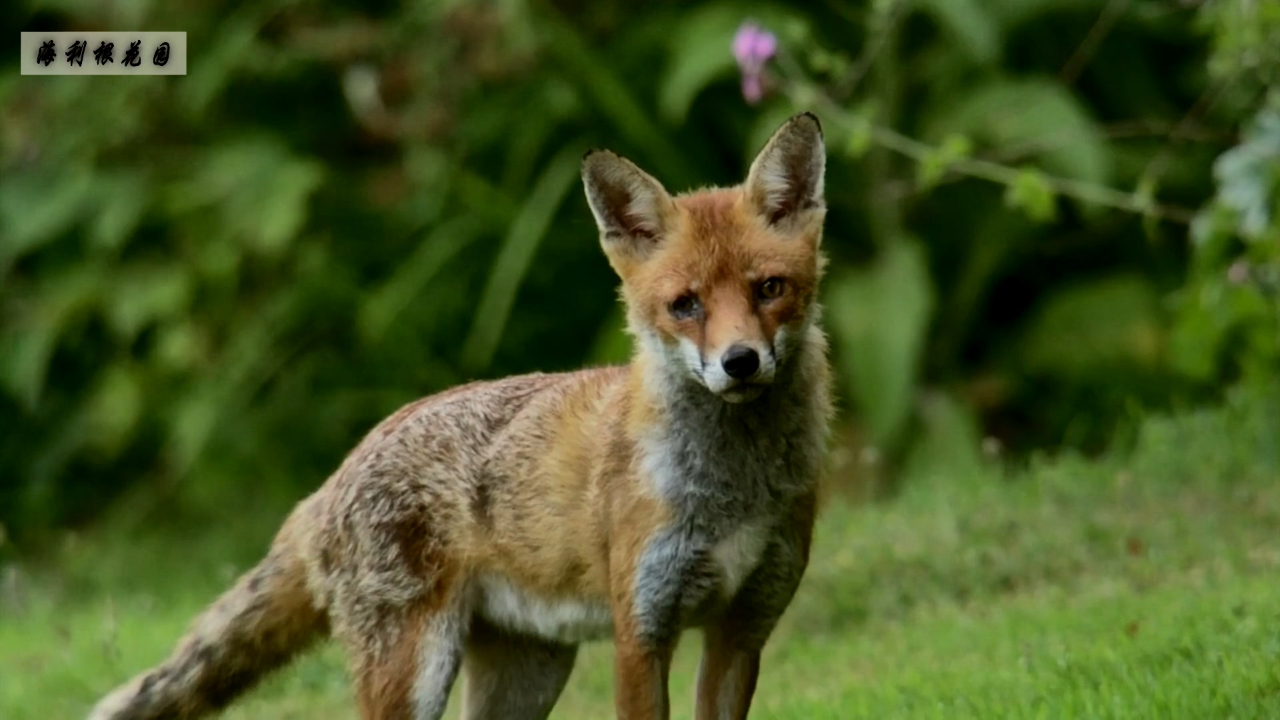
(740, 362)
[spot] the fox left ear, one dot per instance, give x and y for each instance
(785, 180)
(631, 208)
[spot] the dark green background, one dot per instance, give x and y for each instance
(212, 285)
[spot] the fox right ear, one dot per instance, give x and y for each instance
(631, 208)
(785, 181)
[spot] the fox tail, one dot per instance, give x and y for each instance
(258, 625)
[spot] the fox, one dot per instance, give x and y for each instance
(489, 530)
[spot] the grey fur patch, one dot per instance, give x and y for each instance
(723, 466)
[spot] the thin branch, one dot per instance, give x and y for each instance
(1207, 99)
(1089, 46)
(1004, 175)
(1127, 130)
(847, 84)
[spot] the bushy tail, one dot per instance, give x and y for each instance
(254, 628)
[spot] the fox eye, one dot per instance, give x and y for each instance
(771, 288)
(685, 306)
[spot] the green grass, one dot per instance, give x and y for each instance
(1145, 584)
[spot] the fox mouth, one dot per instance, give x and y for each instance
(742, 392)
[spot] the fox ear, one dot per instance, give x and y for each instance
(631, 208)
(785, 180)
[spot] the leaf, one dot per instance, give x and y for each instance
(939, 161)
(509, 268)
(1197, 337)
(146, 293)
(970, 25)
(699, 54)
(947, 453)
(1010, 13)
(430, 175)
(36, 207)
(1035, 117)
(114, 409)
(1248, 175)
(282, 209)
(1032, 194)
(879, 317)
(27, 346)
(25, 352)
(995, 236)
(1095, 328)
(244, 363)
(226, 51)
(194, 419)
(181, 346)
(387, 301)
(260, 190)
(861, 127)
(615, 100)
(122, 200)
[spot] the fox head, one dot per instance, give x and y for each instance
(720, 284)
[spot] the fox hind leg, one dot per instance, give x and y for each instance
(511, 677)
(409, 676)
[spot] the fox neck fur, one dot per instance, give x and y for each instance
(719, 464)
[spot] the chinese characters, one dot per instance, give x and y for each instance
(75, 56)
(46, 54)
(102, 55)
(131, 58)
(140, 53)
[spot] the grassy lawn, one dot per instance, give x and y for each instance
(1144, 584)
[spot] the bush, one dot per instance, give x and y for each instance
(211, 285)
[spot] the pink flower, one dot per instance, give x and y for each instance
(753, 47)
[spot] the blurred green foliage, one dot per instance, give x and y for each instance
(212, 285)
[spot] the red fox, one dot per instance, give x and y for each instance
(492, 528)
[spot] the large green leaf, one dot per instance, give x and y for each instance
(115, 408)
(387, 301)
(145, 293)
(613, 96)
(1094, 328)
(700, 53)
(970, 24)
(1249, 175)
(701, 49)
(879, 317)
(35, 207)
(1028, 118)
(526, 233)
(122, 199)
(28, 343)
(259, 188)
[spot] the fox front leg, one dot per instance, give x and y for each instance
(640, 677)
(726, 676)
(730, 662)
(672, 576)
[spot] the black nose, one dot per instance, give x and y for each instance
(740, 362)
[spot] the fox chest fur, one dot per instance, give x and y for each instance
(727, 477)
